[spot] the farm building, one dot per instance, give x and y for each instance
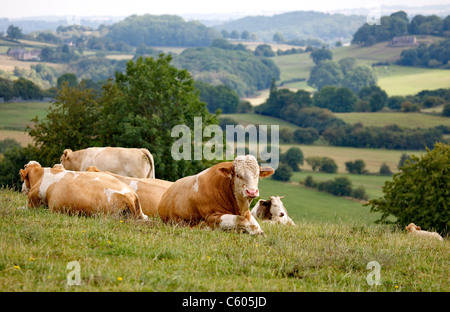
(404, 41)
(25, 55)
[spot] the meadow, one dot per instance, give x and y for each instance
(116, 253)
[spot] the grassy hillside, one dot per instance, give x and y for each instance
(256, 119)
(395, 80)
(17, 115)
(119, 254)
(408, 120)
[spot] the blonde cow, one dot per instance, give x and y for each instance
(70, 191)
(149, 191)
(416, 230)
(129, 162)
(219, 196)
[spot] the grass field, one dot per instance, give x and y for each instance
(119, 254)
(256, 119)
(17, 115)
(408, 120)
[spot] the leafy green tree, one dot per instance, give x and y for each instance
(27, 89)
(359, 77)
(293, 157)
(419, 193)
(6, 89)
(218, 97)
(357, 167)
(142, 105)
(7, 144)
(283, 173)
(446, 110)
(264, 50)
(306, 135)
(69, 78)
(278, 37)
(72, 121)
(14, 32)
(325, 73)
(14, 159)
(320, 55)
(385, 170)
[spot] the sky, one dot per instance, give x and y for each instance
(32, 8)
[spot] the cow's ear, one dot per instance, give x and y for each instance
(226, 171)
(23, 174)
(266, 203)
(265, 172)
(281, 197)
(67, 152)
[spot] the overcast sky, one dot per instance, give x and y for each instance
(29, 8)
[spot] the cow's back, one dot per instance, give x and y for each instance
(130, 162)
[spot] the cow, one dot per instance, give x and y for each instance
(272, 210)
(149, 191)
(220, 196)
(72, 191)
(416, 230)
(129, 162)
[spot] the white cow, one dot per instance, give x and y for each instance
(129, 162)
(415, 230)
(272, 211)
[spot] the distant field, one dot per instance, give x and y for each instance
(409, 120)
(256, 119)
(17, 115)
(373, 158)
(20, 136)
(403, 80)
(395, 80)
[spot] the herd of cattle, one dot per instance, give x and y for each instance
(112, 179)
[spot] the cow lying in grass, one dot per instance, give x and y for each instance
(272, 210)
(415, 230)
(128, 162)
(149, 191)
(77, 192)
(219, 196)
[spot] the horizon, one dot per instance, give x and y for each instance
(114, 9)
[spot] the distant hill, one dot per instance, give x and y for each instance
(298, 25)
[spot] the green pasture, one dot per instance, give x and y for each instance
(17, 115)
(408, 120)
(117, 253)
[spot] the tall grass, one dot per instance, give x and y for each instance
(120, 254)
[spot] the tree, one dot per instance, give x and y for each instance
(278, 38)
(325, 73)
(320, 55)
(69, 78)
(14, 32)
(419, 193)
(446, 110)
(385, 170)
(293, 157)
(356, 167)
(72, 121)
(142, 106)
(283, 173)
(359, 77)
(264, 50)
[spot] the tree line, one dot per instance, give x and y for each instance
(306, 111)
(398, 24)
(436, 55)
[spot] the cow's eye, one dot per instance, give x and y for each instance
(237, 176)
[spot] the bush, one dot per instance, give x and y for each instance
(328, 165)
(360, 193)
(8, 143)
(356, 167)
(446, 110)
(292, 158)
(385, 170)
(309, 182)
(283, 173)
(420, 193)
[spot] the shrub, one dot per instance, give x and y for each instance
(385, 170)
(309, 182)
(420, 192)
(292, 158)
(328, 165)
(360, 193)
(356, 166)
(446, 110)
(8, 143)
(283, 173)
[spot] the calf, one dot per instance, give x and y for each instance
(219, 195)
(272, 210)
(149, 191)
(86, 192)
(129, 162)
(415, 230)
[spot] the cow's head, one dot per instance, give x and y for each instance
(245, 173)
(24, 175)
(412, 227)
(274, 210)
(65, 158)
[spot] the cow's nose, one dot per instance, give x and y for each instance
(251, 193)
(281, 214)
